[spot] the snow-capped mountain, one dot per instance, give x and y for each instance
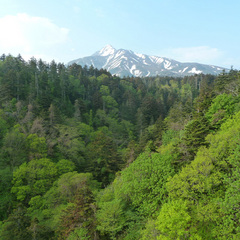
(128, 63)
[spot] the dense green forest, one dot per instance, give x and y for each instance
(87, 155)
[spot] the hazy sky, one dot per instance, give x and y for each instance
(204, 31)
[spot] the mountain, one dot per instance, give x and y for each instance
(123, 62)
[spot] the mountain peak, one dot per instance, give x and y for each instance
(106, 51)
(123, 62)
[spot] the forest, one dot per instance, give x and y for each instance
(87, 155)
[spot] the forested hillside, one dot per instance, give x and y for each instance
(88, 155)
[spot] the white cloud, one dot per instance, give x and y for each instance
(30, 36)
(201, 54)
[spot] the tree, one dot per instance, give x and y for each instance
(15, 227)
(221, 109)
(67, 208)
(70, 144)
(210, 184)
(79, 215)
(14, 148)
(77, 113)
(3, 127)
(193, 138)
(6, 196)
(150, 110)
(174, 220)
(103, 158)
(36, 146)
(36, 177)
(111, 218)
(144, 181)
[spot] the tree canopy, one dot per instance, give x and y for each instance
(88, 155)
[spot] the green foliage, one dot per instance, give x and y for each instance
(36, 177)
(104, 90)
(3, 127)
(104, 160)
(143, 182)
(14, 150)
(102, 78)
(169, 136)
(80, 213)
(173, 221)
(221, 109)
(195, 179)
(230, 132)
(150, 110)
(193, 138)
(79, 233)
(65, 197)
(116, 217)
(71, 145)
(205, 180)
(146, 140)
(109, 102)
(227, 83)
(138, 192)
(6, 196)
(150, 231)
(37, 147)
(111, 218)
(64, 166)
(15, 227)
(177, 117)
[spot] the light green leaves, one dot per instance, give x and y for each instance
(144, 181)
(174, 220)
(36, 177)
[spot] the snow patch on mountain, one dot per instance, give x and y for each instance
(92, 63)
(132, 69)
(119, 53)
(106, 51)
(123, 57)
(167, 64)
(157, 60)
(144, 62)
(140, 55)
(194, 70)
(182, 71)
(137, 73)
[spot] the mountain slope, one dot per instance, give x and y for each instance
(123, 62)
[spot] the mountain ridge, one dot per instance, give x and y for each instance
(122, 62)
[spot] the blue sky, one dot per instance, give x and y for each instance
(205, 31)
